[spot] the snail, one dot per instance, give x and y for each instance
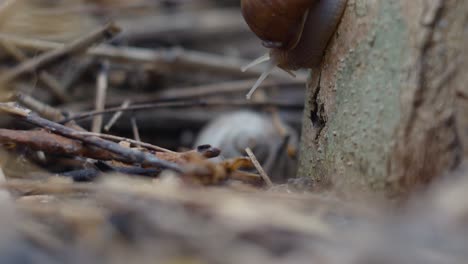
(233, 132)
(296, 31)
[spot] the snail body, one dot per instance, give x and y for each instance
(297, 32)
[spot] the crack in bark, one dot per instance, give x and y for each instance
(317, 111)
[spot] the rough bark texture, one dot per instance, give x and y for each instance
(388, 109)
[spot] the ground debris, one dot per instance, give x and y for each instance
(151, 189)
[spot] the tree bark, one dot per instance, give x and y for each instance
(387, 111)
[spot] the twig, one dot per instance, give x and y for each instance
(101, 90)
(43, 109)
(172, 57)
(199, 91)
(259, 167)
(186, 104)
(41, 140)
(87, 175)
(116, 116)
(39, 107)
(135, 142)
(76, 73)
(54, 86)
(60, 53)
(50, 82)
(4, 194)
(136, 133)
(132, 155)
(222, 88)
(54, 114)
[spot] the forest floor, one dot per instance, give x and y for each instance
(126, 137)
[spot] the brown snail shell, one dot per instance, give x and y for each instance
(278, 23)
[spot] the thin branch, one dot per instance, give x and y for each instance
(74, 75)
(259, 167)
(116, 117)
(173, 57)
(52, 84)
(119, 139)
(4, 194)
(54, 114)
(220, 88)
(43, 109)
(106, 32)
(101, 90)
(136, 133)
(39, 107)
(54, 87)
(132, 155)
(45, 142)
(41, 140)
(199, 91)
(187, 104)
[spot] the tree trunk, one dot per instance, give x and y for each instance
(388, 109)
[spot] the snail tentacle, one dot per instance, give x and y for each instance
(272, 63)
(257, 61)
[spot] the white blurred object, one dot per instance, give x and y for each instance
(234, 132)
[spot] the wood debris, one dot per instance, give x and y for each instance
(150, 189)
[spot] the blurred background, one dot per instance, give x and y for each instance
(167, 51)
(180, 60)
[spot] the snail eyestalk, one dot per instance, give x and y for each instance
(271, 65)
(256, 62)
